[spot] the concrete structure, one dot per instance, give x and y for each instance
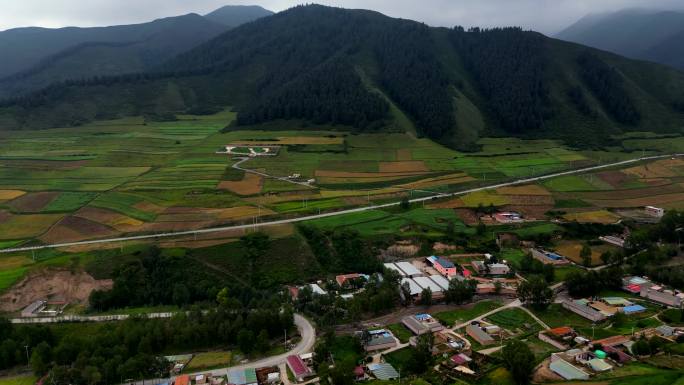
(491, 268)
(409, 270)
(565, 369)
(613, 240)
(584, 310)
(380, 339)
(654, 211)
(478, 334)
(427, 283)
(634, 284)
(548, 258)
(662, 296)
(33, 309)
(414, 287)
(443, 266)
(383, 371)
(317, 289)
(393, 267)
(242, 377)
(441, 281)
(422, 323)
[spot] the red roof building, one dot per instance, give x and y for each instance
(342, 279)
(182, 380)
(298, 367)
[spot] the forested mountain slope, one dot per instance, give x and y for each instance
(641, 34)
(33, 58)
(338, 66)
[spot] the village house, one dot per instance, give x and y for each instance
(548, 258)
(478, 333)
(381, 339)
(661, 295)
(353, 279)
(561, 365)
(484, 268)
(613, 240)
(443, 266)
(420, 324)
(581, 308)
(298, 367)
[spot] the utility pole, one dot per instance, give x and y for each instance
(28, 361)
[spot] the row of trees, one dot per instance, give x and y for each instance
(108, 353)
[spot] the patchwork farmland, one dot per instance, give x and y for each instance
(128, 176)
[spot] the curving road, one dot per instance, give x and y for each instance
(306, 331)
(332, 214)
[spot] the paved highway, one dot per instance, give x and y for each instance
(332, 214)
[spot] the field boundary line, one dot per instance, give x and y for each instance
(335, 213)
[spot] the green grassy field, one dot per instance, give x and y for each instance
(19, 380)
(450, 318)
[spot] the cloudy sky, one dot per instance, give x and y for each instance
(548, 16)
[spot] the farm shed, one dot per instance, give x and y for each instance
(383, 371)
(408, 269)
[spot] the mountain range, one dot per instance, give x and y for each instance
(656, 36)
(365, 71)
(36, 57)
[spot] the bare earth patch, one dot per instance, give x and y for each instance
(403, 166)
(72, 229)
(34, 202)
(73, 287)
(110, 218)
(250, 184)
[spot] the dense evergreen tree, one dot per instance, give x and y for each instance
(607, 84)
(509, 67)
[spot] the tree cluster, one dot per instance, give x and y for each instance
(607, 84)
(332, 93)
(590, 283)
(156, 279)
(509, 67)
(110, 353)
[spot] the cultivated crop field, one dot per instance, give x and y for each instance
(129, 176)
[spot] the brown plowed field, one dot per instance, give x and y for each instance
(404, 166)
(653, 200)
(404, 154)
(33, 202)
(251, 184)
(630, 193)
(73, 228)
(110, 218)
